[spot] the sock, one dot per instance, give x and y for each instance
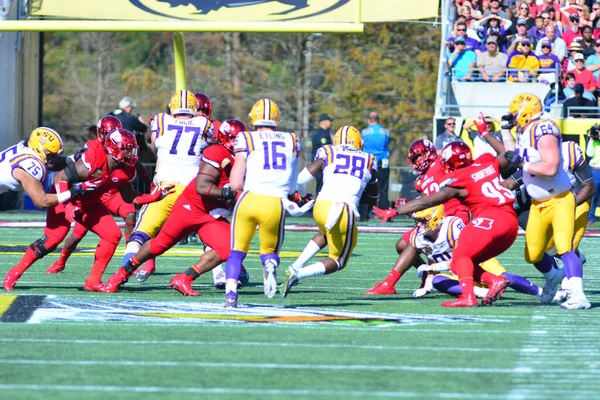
(64, 256)
(131, 265)
(463, 267)
(392, 278)
(550, 274)
(573, 266)
(233, 267)
(26, 261)
(104, 252)
(231, 286)
(315, 269)
(271, 258)
(309, 252)
(522, 285)
(130, 250)
(466, 286)
(446, 285)
(192, 271)
(545, 265)
(576, 285)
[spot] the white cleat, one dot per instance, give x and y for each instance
(551, 286)
(270, 279)
(290, 281)
(576, 301)
(561, 295)
(218, 277)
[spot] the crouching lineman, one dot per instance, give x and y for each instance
(101, 169)
(347, 171)
(202, 208)
(266, 168)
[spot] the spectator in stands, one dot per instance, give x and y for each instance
(477, 9)
(582, 74)
(584, 16)
(551, 4)
(522, 63)
(480, 146)
(569, 63)
(470, 43)
(130, 122)
(495, 8)
(593, 62)
(537, 31)
(523, 14)
(534, 10)
(448, 136)
(376, 141)
(559, 48)
(492, 63)
(520, 36)
(572, 108)
(595, 19)
(569, 89)
(548, 21)
(461, 61)
(493, 25)
(548, 61)
(588, 41)
(593, 153)
(565, 12)
(570, 34)
(321, 138)
(92, 132)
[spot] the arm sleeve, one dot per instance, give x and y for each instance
(589, 150)
(583, 173)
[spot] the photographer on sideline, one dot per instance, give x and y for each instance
(593, 153)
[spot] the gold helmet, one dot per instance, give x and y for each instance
(349, 136)
(264, 113)
(46, 143)
(183, 102)
(429, 218)
(526, 107)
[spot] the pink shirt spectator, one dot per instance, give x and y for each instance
(568, 36)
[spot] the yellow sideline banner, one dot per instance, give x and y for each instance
(237, 10)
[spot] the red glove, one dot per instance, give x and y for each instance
(71, 212)
(156, 196)
(481, 125)
(400, 202)
(384, 215)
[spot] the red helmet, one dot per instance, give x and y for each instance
(421, 154)
(456, 155)
(204, 104)
(228, 131)
(106, 125)
(122, 146)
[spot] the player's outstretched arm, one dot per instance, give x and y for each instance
(422, 203)
(35, 190)
(130, 195)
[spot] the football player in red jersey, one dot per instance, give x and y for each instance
(201, 208)
(112, 199)
(101, 170)
(477, 185)
(423, 158)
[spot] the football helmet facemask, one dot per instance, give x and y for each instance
(430, 218)
(264, 112)
(228, 131)
(349, 136)
(122, 146)
(46, 143)
(183, 103)
(421, 154)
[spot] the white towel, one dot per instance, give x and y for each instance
(293, 209)
(335, 211)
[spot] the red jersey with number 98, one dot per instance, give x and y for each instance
(483, 182)
(430, 182)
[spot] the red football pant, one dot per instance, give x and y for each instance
(183, 221)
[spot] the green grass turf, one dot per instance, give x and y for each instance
(513, 350)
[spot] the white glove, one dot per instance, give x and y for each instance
(422, 269)
(421, 292)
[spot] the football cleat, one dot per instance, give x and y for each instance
(270, 279)
(382, 288)
(218, 277)
(463, 301)
(551, 286)
(561, 295)
(291, 280)
(183, 284)
(147, 269)
(577, 301)
(495, 291)
(231, 300)
(89, 286)
(12, 276)
(115, 281)
(57, 267)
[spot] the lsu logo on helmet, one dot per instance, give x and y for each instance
(183, 103)
(526, 107)
(349, 136)
(429, 218)
(265, 112)
(46, 143)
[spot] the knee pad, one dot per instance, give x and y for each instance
(139, 237)
(39, 247)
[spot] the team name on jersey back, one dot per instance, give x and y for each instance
(19, 156)
(179, 144)
(271, 161)
(541, 188)
(441, 248)
(346, 173)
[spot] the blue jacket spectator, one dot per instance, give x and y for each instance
(462, 61)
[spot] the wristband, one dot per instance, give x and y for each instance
(61, 187)
(63, 196)
(526, 166)
(484, 134)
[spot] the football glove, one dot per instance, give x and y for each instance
(480, 124)
(228, 193)
(299, 199)
(507, 121)
(400, 202)
(156, 196)
(514, 159)
(384, 215)
(80, 188)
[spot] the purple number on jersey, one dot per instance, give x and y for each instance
(273, 158)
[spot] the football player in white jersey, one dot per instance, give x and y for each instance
(552, 212)
(347, 171)
(177, 140)
(23, 167)
(266, 169)
(436, 237)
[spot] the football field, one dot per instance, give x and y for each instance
(326, 340)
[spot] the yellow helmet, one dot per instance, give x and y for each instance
(429, 218)
(46, 143)
(349, 136)
(526, 107)
(264, 113)
(183, 102)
